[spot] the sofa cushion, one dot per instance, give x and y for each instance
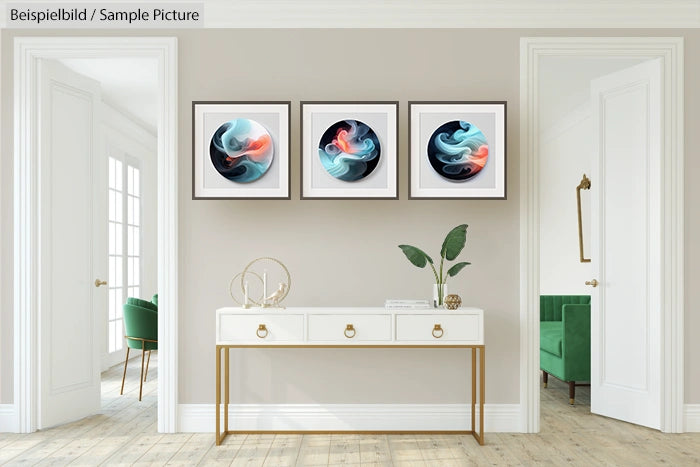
(142, 303)
(551, 305)
(550, 337)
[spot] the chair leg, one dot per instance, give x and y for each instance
(124, 376)
(148, 360)
(572, 391)
(545, 378)
(143, 354)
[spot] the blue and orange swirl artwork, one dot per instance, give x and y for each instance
(241, 150)
(458, 150)
(349, 150)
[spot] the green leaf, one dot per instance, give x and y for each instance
(454, 242)
(456, 268)
(416, 256)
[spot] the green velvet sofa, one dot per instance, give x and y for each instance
(565, 339)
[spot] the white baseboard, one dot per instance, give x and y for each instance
(692, 418)
(201, 418)
(8, 420)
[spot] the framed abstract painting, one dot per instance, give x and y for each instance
(349, 150)
(457, 150)
(240, 150)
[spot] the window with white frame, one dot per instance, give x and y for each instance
(124, 244)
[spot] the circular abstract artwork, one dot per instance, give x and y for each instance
(458, 150)
(241, 150)
(349, 150)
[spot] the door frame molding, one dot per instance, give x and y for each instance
(670, 51)
(26, 265)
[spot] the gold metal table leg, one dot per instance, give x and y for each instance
(482, 382)
(473, 352)
(226, 388)
(479, 436)
(218, 395)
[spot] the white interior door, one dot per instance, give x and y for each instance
(625, 245)
(73, 246)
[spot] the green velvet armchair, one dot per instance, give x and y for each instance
(141, 327)
(565, 339)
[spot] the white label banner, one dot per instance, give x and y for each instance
(125, 15)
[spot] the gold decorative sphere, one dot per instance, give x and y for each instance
(452, 301)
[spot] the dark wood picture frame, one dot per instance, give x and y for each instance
(411, 154)
(288, 147)
(302, 155)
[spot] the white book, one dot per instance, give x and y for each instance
(408, 306)
(406, 302)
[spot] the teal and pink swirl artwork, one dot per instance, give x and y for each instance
(241, 150)
(458, 150)
(349, 150)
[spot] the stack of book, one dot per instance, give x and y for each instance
(407, 304)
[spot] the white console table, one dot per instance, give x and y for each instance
(325, 327)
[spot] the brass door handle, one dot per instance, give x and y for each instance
(592, 283)
(99, 282)
(584, 185)
(261, 328)
(439, 329)
(348, 329)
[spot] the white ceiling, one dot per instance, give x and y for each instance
(128, 84)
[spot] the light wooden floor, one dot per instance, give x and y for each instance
(125, 433)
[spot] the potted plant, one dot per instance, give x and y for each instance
(451, 248)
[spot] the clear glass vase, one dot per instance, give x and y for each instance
(439, 294)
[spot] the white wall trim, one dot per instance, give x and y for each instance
(670, 51)
(8, 419)
(351, 417)
(692, 418)
(2, 396)
(28, 50)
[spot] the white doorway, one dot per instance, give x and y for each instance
(125, 185)
(31, 226)
(658, 374)
(127, 155)
(600, 119)
(98, 154)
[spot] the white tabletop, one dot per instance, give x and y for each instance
(348, 310)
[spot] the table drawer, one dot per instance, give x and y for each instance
(261, 328)
(439, 328)
(346, 329)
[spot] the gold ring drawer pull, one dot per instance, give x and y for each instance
(438, 329)
(348, 329)
(262, 328)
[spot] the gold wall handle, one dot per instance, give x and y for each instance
(592, 283)
(349, 328)
(262, 328)
(584, 185)
(99, 282)
(436, 329)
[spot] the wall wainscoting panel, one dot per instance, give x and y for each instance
(692, 418)
(200, 418)
(8, 419)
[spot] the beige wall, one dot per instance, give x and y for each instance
(344, 252)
